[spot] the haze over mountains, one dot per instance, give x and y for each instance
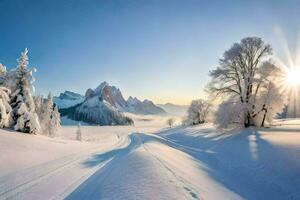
(173, 109)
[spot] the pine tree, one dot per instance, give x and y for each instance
(23, 107)
(5, 109)
(52, 117)
(48, 114)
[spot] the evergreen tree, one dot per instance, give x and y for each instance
(49, 116)
(23, 107)
(5, 109)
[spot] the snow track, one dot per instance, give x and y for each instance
(181, 163)
(64, 174)
(144, 169)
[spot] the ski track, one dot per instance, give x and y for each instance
(183, 183)
(17, 185)
(27, 183)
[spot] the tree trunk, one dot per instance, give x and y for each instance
(264, 118)
(247, 120)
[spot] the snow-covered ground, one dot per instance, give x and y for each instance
(151, 161)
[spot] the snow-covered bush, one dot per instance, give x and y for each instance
(23, 107)
(170, 122)
(197, 112)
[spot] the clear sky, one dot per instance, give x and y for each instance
(161, 50)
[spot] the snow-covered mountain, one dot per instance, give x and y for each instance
(143, 107)
(105, 104)
(109, 94)
(113, 96)
(68, 99)
(177, 110)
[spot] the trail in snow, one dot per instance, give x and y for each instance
(54, 179)
(148, 169)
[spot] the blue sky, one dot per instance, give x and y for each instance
(161, 50)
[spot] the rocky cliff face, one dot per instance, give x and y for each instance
(105, 106)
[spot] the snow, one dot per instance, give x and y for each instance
(149, 161)
(68, 99)
(66, 103)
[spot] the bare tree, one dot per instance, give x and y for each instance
(243, 73)
(170, 122)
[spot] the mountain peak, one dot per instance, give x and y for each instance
(101, 87)
(69, 95)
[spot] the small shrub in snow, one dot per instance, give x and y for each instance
(198, 112)
(78, 133)
(170, 122)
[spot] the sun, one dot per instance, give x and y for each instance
(293, 77)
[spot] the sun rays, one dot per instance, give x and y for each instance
(290, 78)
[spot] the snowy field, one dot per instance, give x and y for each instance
(151, 161)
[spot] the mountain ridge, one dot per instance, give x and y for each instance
(104, 105)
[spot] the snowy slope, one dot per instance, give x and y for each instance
(143, 162)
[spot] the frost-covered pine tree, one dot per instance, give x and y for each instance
(48, 114)
(52, 117)
(5, 109)
(2, 69)
(78, 133)
(23, 107)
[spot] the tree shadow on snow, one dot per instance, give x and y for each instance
(244, 162)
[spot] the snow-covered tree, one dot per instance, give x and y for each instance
(272, 102)
(230, 114)
(2, 69)
(54, 117)
(170, 122)
(5, 109)
(48, 114)
(198, 112)
(23, 107)
(78, 133)
(242, 76)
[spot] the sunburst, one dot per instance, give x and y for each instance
(290, 79)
